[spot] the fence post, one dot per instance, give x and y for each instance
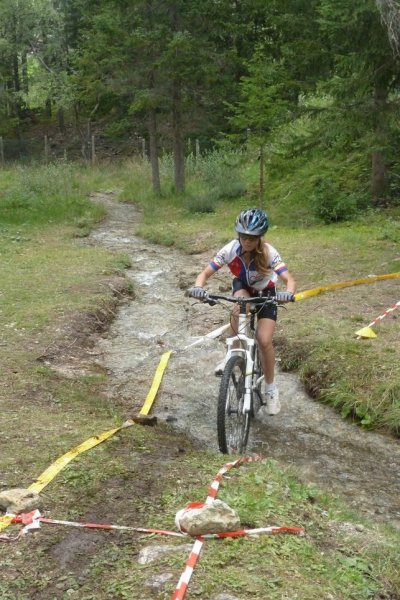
(93, 152)
(197, 149)
(2, 150)
(46, 150)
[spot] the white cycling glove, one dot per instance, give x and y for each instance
(197, 292)
(284, 296)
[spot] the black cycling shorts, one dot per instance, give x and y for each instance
(269, 311)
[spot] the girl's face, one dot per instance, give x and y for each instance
(249, 242)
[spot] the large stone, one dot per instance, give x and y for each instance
(216, 517)
(19, 500)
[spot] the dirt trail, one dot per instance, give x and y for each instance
(363, 467)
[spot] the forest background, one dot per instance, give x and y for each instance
(314, 81)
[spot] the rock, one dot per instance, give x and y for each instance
(151, 553)
(144, 420)
(19, 500)
(199, 518)
(158, 581)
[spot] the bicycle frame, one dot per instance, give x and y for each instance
(248, 341)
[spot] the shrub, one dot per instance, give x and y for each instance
(203, 201)
(231, 188)
(390, 231)
(330, 203)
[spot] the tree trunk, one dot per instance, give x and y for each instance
(179, 152)
(379, 173)
(16, 101)
(61, 119)
(47, 108)
(24, 69)
(155, 171)
(261, 176)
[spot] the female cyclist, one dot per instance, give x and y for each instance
(255, 265)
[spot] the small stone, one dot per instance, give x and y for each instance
(158, 581)
(19, 500)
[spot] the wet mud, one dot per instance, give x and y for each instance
(361, 467)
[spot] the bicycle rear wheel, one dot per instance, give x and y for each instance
(232, 425)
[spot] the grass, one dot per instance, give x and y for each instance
(142, 476)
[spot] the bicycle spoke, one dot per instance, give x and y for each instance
(233, 424)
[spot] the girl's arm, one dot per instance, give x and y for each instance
(289, 280)
(204, 276)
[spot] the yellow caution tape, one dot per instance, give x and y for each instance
(336, 286)
(49, 474)
(61, 462)
(156, 383)
(5, 522)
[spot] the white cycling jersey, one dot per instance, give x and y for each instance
(231, 255)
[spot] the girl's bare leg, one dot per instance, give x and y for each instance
(265, 332)
(233, 330)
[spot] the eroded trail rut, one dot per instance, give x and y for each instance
(362, 467)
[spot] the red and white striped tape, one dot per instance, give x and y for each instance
(257, 531)
(194, 556)
(33, 520)
(214, 487)
(183, 582)
(383, 315)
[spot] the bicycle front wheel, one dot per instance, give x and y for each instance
(256, 383)
(232, 425)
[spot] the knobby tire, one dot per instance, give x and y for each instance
(232, 425)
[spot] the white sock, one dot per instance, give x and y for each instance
(270, 387)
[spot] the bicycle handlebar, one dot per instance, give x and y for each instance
(211, 299)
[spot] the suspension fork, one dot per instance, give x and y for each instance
(247, 351)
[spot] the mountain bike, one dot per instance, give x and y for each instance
(240, 395)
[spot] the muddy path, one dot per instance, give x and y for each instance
(362, 467)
